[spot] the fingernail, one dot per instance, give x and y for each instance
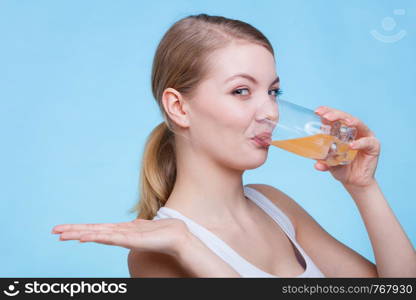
(352, 145)
(327, 116)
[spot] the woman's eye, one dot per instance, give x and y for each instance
(242, 92)
(245, 92)
(275, 92)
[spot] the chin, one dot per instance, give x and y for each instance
(252, 161)
(254, 164)
(244, 158)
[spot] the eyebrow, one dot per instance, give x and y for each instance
(250, 78)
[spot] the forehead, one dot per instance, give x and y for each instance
(239, 57)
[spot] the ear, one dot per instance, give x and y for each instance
(175, 107)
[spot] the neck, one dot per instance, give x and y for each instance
(207, 191)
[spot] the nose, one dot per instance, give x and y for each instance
(268, 110)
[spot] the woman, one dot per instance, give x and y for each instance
(212, 77)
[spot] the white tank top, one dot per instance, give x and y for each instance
(229, 255)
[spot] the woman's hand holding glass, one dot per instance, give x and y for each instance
(360, 172)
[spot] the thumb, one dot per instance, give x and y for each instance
(321, 166)
(369, 144)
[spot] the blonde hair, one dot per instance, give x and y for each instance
(180, 63)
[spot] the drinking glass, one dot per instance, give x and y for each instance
(300, 131)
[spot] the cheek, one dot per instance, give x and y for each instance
(222, 114)
(233, 114)
(238, 151)
(221, 125)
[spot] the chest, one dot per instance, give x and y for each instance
(264, 244)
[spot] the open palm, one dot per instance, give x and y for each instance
(163, 236)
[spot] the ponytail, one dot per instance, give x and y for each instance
(158, 172)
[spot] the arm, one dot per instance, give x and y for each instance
(331, 256)
(394, 254)
(193, 259)
(202, 262)
(144, 264)
(151, 243)
(160, 248)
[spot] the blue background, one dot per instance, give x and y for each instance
(76, 108)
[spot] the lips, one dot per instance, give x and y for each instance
(264, 138)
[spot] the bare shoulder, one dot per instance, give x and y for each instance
(154, 264)
(280, 199)
(294, 211)
(334, 258)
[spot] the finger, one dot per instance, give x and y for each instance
(73, 235)
(92, 227)
(348, 120)
(332, 114)
(78, 227)
(76, 235)
(363, 129)
(329, 115)
(117, 238)
(370, 145)
(321, 166)
(105, 237)
(321, 110)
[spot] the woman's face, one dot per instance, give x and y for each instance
(239, 91)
